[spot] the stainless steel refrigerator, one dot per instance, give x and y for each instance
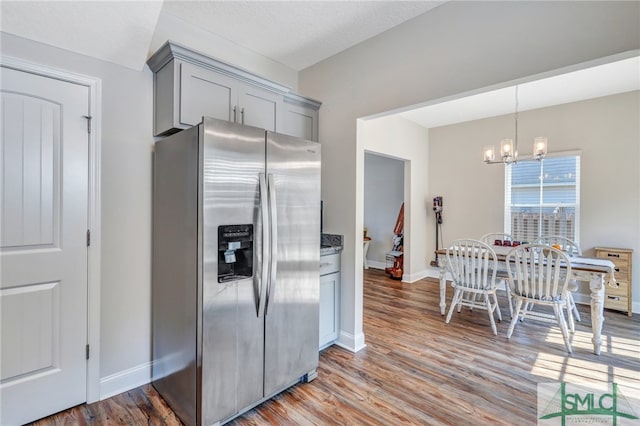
(236, 241)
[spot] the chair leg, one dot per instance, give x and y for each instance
(563, 326)
(487, 302)
(473, 300)
(510, 301)
(572, 325)
(459, 301)
(456, 296)
(574, 308)
(497, 307)
(514, 320)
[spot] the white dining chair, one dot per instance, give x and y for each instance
(536, 277)
(472, 265)
(572, 249)
(501, 274)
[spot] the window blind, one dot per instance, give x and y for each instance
(543, 198)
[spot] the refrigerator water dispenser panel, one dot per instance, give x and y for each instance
(235, 252)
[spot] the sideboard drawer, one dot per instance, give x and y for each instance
(621, 273)
(621, 289)
(618, 297)
(614, 256)
(619, 303)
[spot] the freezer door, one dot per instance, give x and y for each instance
(232, 331)
(291, 321)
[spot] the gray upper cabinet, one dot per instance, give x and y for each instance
(189, 85)
(300, 117)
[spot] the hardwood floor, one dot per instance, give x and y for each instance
(418, 370)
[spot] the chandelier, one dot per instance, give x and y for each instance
(509, 147)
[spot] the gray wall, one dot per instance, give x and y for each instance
(383, 196)
(127, 145)
(458, 47)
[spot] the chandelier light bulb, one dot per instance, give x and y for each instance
(489, 153)
(506, 148)
(540, 147)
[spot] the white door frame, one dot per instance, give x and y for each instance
(93, 209)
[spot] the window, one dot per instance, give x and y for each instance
(543, 198)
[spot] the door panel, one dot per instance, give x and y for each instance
(24, 304)
(205, 93)
(43, 291)
(31, 175)
(259, 108)
(291, 325)
(300, 121)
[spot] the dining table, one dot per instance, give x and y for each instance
(596, 271)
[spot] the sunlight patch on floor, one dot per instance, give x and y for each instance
(627, 378)
(567, 369)
(623, 346)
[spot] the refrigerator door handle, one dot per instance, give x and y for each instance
(274, 238)
(266, 234)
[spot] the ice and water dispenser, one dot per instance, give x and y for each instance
(235, 252)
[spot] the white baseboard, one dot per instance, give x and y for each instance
(125, 380)
(429, 272)
(411, 278)
(376, 265)
(433, 272)
(350, 342)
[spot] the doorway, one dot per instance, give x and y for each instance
(383, 198)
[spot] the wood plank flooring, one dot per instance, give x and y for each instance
(418, 370)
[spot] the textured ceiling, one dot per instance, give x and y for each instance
(294, 33)
(114, 31)
(297, 33)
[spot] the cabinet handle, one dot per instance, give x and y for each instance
(234, 114)
(242, 115)
(616, 269)
(322, 265)
(613, 255)
(613, 297)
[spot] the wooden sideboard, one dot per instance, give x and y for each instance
(619, 297)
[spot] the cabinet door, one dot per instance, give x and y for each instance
(205, 93)
(300, 121)
(259, 108)
(329, 293)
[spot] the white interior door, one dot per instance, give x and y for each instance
(43, 291)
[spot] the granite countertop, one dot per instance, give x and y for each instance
(330, 244)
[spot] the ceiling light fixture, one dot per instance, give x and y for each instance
(509, 147)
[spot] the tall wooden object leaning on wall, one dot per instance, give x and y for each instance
(396, 271)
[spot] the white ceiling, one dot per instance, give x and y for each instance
(295, 33)
(602, 80)
(114, 31)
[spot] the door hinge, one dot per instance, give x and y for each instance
(88, 117)
(88, 238)
(87, 350)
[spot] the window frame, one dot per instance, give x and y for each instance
(508, 196)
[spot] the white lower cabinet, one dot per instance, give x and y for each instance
(329, 299)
